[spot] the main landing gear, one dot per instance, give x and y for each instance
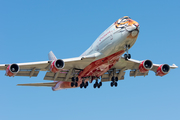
(96, 84)
(74, 82)
(114, 81)
(83, 84)
(127, 55)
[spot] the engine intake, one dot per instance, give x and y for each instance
(145, 66)
(163, 70)
(12, 70)
(56, 65)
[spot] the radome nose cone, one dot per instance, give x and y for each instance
(137, 26)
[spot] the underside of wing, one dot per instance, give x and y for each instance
(51, 84)
(141, 68)
(32, 69)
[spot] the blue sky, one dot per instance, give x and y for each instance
(30, 29)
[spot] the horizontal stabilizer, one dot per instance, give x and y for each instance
(51, 84)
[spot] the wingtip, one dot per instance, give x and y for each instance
(174, 66)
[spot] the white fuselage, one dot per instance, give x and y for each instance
(107, 50)
(111, 41)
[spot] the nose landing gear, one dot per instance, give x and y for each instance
(127, 55)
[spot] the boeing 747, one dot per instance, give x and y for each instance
(103, 61)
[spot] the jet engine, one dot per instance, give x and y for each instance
(12, 70)
(145, 66)
(56, 65)
(163, 70)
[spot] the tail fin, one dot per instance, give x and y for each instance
(51, 56)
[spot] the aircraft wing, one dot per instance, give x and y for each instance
(75, 65)
(133, 65)
(32, 69)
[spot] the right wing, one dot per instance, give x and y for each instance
(32, 69)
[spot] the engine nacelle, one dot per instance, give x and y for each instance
(145, 66)
(56, 65)
(163, 70)
(12, 70)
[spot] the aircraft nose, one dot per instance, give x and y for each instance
(132, 25)
(137, 26)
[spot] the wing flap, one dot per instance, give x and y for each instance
(137, 73)
(28, 73)
(61, 76)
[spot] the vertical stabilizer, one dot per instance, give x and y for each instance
(51, 56)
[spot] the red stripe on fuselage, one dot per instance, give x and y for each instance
(99, 67)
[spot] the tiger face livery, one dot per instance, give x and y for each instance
(127, 23)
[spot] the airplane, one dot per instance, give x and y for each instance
(103, 60)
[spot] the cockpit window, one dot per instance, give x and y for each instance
(126, 17)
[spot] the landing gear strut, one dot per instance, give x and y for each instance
(96, 84)
(127, 55)
(74, 82)
(114, 79)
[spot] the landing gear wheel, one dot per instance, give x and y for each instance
(73, 79)
(76, 84)
(72, 84)
(94, 85)
(86, 83)
(112, 84)
(77, 79)
(82, 83)
(99, 86)
(125, 56)
(115, 84)
(81, 86)
(100, 83)
(129, 56)
(85, 86)
(113, 78)
(116, 78)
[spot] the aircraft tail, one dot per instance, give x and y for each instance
(51, 56)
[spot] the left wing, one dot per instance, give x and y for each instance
(138, 68)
